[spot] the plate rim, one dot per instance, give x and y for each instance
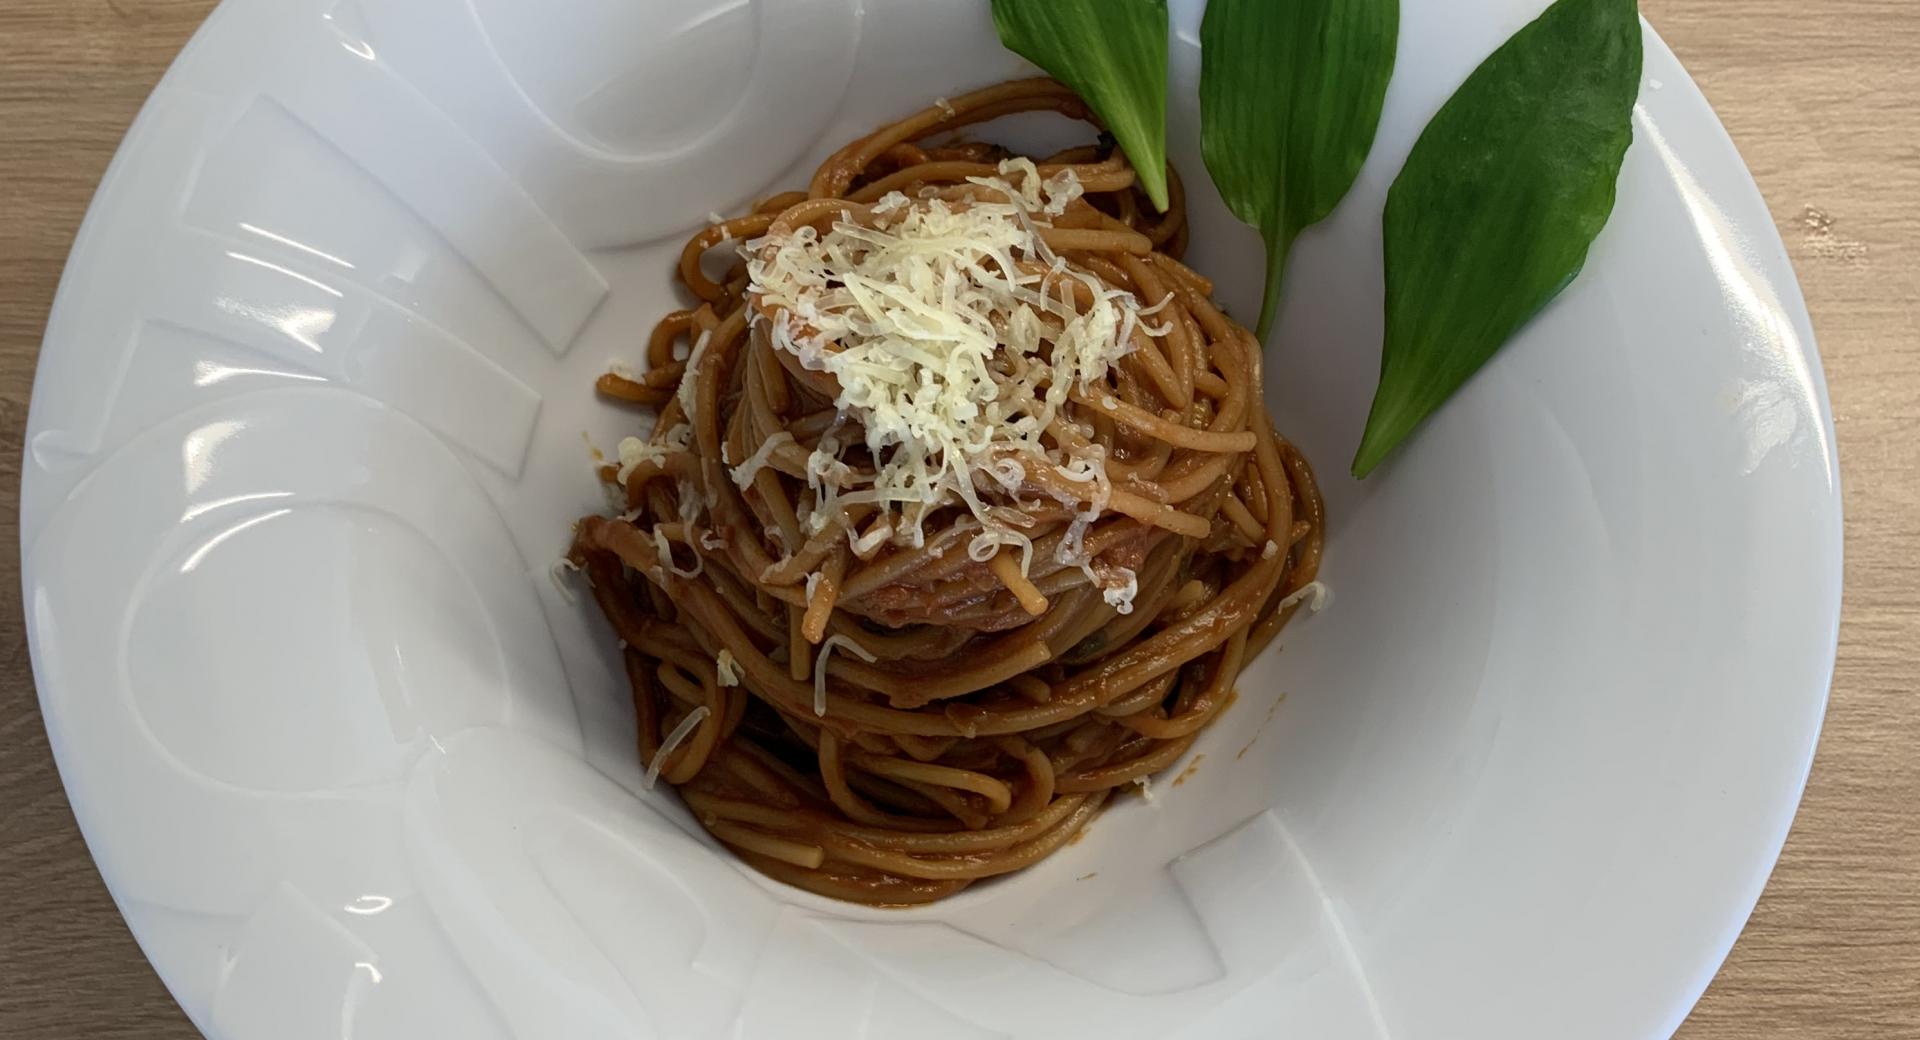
(1776, 265)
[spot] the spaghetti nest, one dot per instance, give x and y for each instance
(891, 630)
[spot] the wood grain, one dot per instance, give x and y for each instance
(1824, 102)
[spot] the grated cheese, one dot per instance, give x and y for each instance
(633, 451)
(952, 359)
(692, 499)
(665, 550)
(678, 439)
(1118, 592)
(727, 669)
(864, 545)
(689, 391)
(744, 473)
(674, 739)
(820, 667)
(1316, 594)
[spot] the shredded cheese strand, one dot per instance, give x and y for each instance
(820, 667)
(744, 473)
(674, 739)
(1317, 595)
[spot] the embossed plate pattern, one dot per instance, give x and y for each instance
(307, 436)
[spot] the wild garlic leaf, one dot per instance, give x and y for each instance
(1113, 53)
(1290, 96)
(1498, 203)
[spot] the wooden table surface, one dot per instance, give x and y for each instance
(1824, 101)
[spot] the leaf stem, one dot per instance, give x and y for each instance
(1279, 248)
(1156, 188)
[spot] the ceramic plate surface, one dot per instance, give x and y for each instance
(307, 438)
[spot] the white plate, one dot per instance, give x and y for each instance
(307, 435)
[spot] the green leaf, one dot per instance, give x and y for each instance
(1498, 202)
(1290, 96)
(1113, 53)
